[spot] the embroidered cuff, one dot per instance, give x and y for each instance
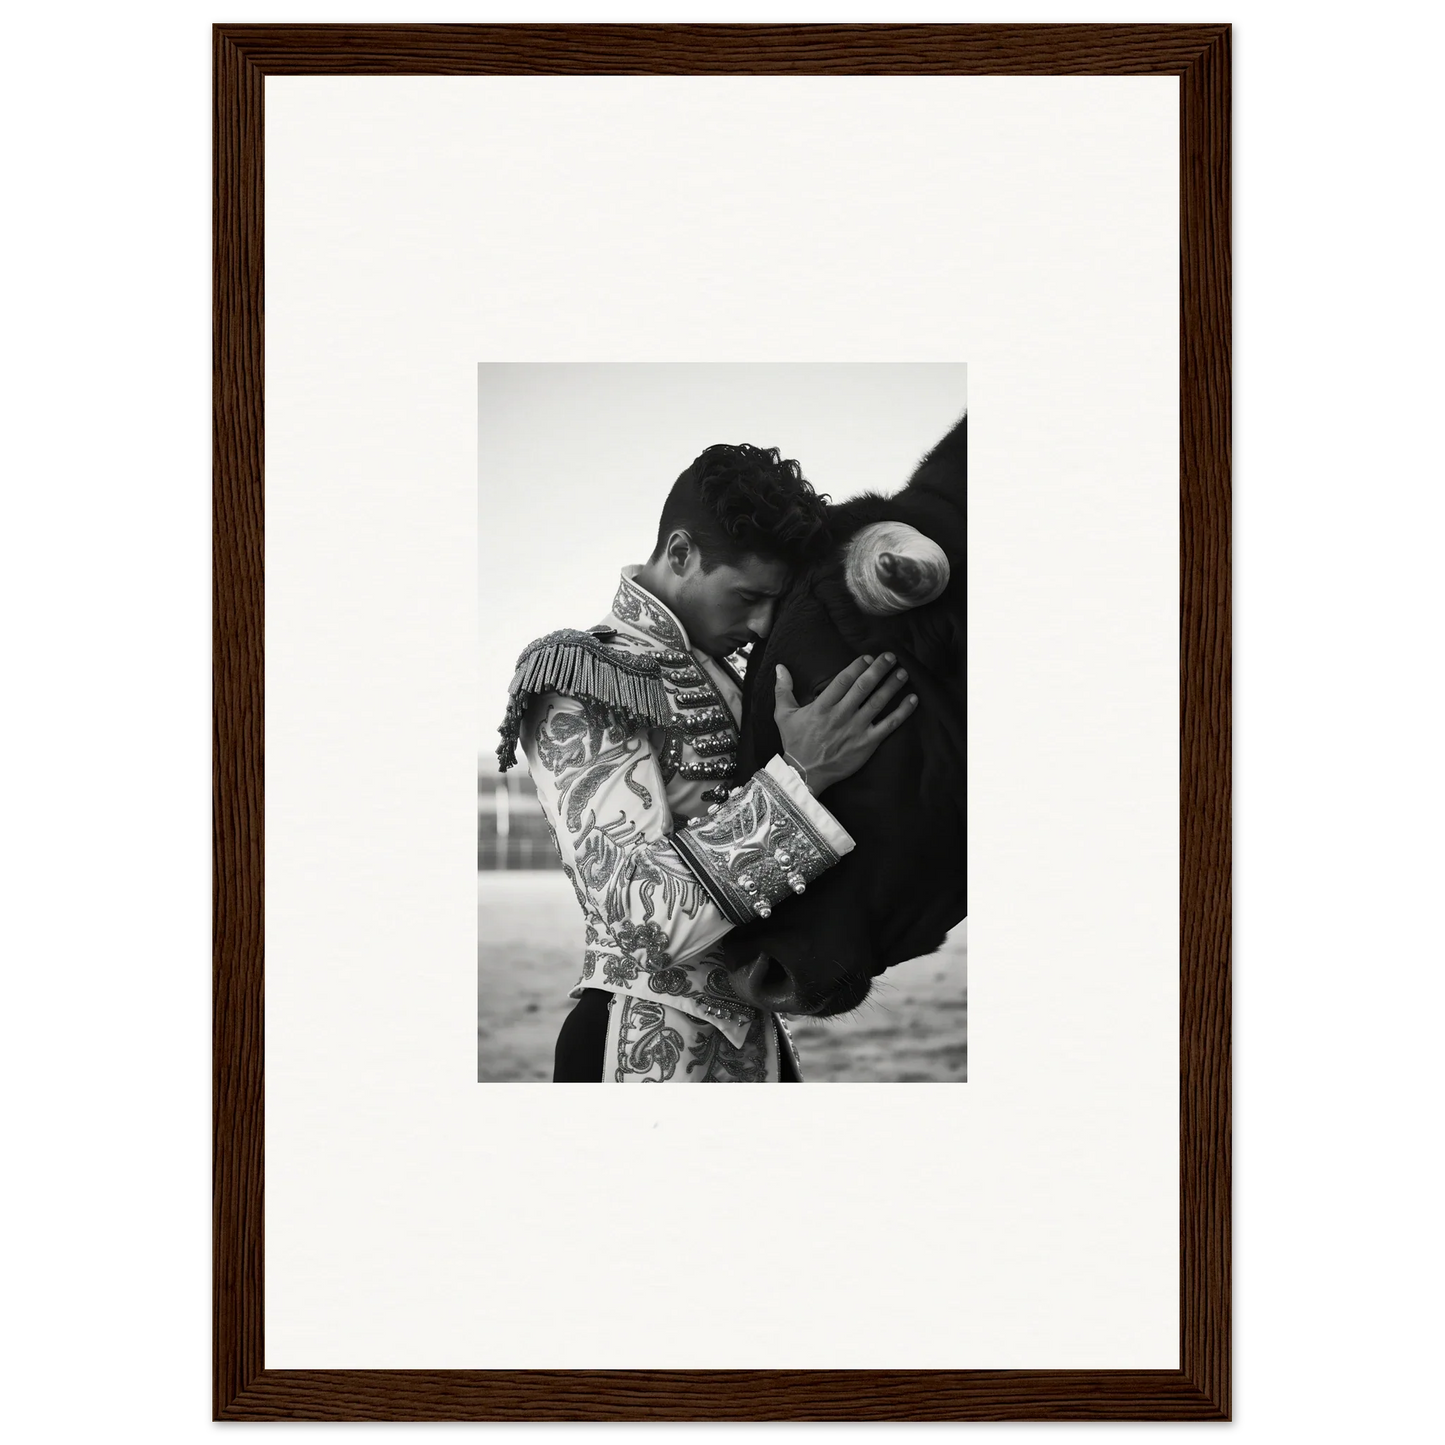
(788, 778)
(765, 843)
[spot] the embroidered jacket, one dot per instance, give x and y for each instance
(631, 737)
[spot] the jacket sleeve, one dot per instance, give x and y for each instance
(601, 788)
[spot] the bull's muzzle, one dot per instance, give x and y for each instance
(765, 983)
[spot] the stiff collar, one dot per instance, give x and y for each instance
(643, 612)
(652, 621)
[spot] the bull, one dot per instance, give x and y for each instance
(893, 577)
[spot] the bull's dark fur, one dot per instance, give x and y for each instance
(904, 886)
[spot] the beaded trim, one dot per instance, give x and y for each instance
(714, 743)
(689, 698)
(712, 720)
(722, 769)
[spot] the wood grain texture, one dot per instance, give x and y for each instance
(238, 816)
(721, 1395)
(1204, 721)
(243, 1390)
(721, 49)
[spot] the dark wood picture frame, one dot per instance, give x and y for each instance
(1200, 56)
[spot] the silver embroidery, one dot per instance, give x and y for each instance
(636, 604)
(634, 786)
(648, 1049)
(756, 850)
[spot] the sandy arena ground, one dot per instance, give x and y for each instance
(912, 1029)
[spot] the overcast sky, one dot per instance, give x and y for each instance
(574, 462)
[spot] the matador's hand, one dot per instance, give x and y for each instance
(835, 734)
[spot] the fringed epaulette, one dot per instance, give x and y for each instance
(627, 686)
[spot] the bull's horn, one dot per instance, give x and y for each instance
(892, 567)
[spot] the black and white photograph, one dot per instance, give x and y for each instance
(722, 762)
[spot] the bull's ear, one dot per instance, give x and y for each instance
(892, 567)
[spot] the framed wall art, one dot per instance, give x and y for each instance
(929, 328)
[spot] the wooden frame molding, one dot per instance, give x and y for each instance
(1200, 56)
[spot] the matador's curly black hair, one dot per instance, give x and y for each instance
(737, 501)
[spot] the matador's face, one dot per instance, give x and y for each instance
(730, 606)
